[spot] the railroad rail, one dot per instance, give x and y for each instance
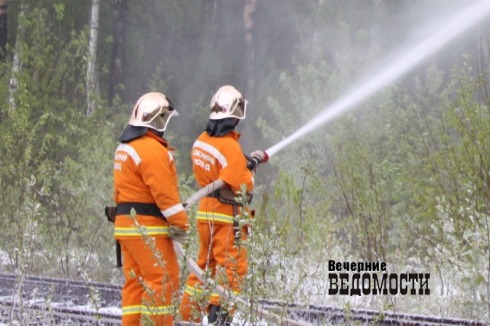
(54, 301)
(38, 314)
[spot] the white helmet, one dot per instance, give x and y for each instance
(228, 103)
(153, 110)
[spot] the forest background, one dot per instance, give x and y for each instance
(403, 179)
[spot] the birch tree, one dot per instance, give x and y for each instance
(3, 29)
(17, 62)
(120, 8)
(209, 10)
(248, 24)
(316, 36)
(92, 49)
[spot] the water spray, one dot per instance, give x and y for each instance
(393, 70)
(455, 25)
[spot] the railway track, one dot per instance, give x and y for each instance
(53, 301)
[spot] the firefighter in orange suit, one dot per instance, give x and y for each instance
(216, 154)
(145, 179)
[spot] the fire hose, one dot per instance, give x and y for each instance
(225, 294)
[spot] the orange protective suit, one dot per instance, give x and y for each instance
(217, 158)
(144, 172)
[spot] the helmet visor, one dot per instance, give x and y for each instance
(240, 109)
(160, 122)
(237, 110)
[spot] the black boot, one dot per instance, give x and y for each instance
(218, 316)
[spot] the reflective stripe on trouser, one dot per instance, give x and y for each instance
(163, 281)
(216, 248)
(133, 231)
(212, 217)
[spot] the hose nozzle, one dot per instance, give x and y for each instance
(266, 157)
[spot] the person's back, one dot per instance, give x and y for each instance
(145, 180)
(220, 158)
(217, 154)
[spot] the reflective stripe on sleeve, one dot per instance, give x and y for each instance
(130, 151)
(213, 151)
(173, 210)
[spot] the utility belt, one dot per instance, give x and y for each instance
(125, 209)
(226, 196)
(140, 208)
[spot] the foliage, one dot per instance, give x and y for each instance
(52, 155)
(402, 180)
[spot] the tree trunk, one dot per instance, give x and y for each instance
(209, 8)
(314, 40)
(92, 49)
(248, 24)
(213, 14)
(3, 29)
(120, 9)
(17, 63)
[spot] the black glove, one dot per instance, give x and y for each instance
(177, 234)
